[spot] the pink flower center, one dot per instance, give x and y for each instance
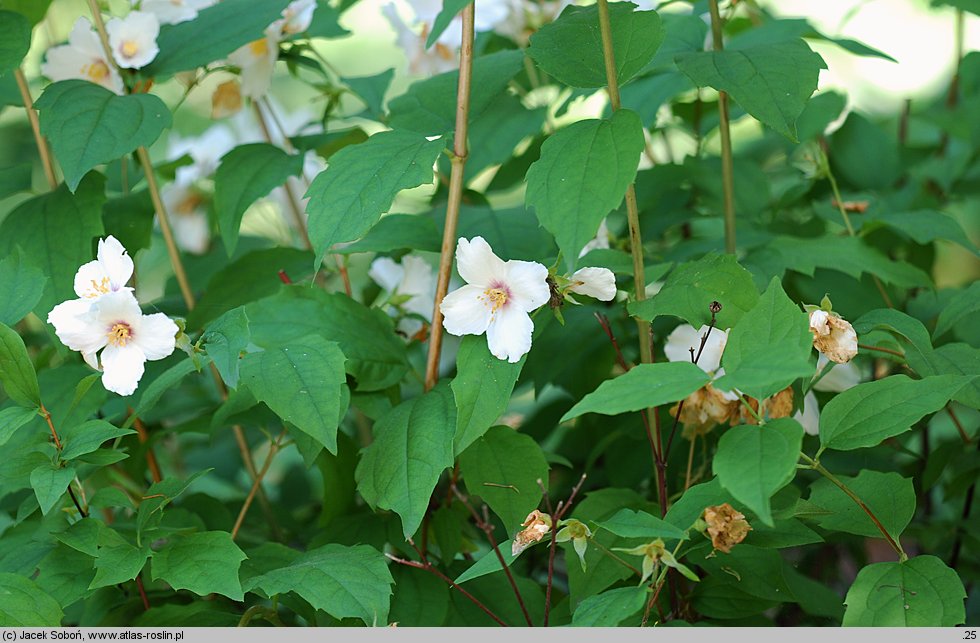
(496, 296)
(120, 334)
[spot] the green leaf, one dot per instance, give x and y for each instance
(12, 418)
(489, 563)
(24, 604)
(505, 457)
(49, 483)
(65, 574)
(341, 581)
(158, 496)
(163, 383)
(481, 388)
(21, 286)
(769, 347)
(34, 10)
(692, 286)
(973, 6)
(639, 524)
(213, 34)
(16, 370)
(117, 561)
(920, 592)
(754, 462)
(582, 176)
(15, 40)
(86, 437)
(772, 82)
(225, 340)
(129, 218)
(375, 355)
(429, 106)
(643, 386)
(349, 197)
(964, 304)
(412, 447)
(16, 178)
(924, 226)
(869, 413)
(88, 125)
(610, 608)
(570, 48)
(398, 232)
(371, 90)
(325, 23)
(445, 16)
(303, 382)
(203, 563)
(889, 495)
(246, 174)
(55, 232)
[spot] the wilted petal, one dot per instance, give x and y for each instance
(477, 264)
(594, 282)
(509, 334)
(122, 368)
(156, 336)
(465, 312)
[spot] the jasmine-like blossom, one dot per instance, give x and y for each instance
(496, 300)
(410, 286)
(133, 39)
(82, 58)
(296, 18)
(172, 12)
(594, 282)
(257, 62)
(683, 338)
(187, 206)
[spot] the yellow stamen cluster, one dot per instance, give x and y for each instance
(120, 334)
(495, 298)
(129, 48)
(96, 71)
(259, 47)
(100, 287)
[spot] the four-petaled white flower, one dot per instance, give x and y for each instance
(683, 338)
(833, 336)
(412, 283)
(133, 39)
(594, 282)
(496, 300)
(257, 61)
(82, 58)
(127, 338)
(172, 12)
(296, 18)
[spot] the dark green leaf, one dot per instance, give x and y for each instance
(16, 370)
(12, 418)
(371, 90)
(163, 383)
(203, 563)
(920, 592)
(129, 218)
(481, 388)
(639, 524)
(14, 179)
(117, 560)
(86, 437)
(889, 496)
(25, 604)
(225, 340)
(965, 304)
(449, 10)
(21, 286)
(15, 40)
(610, 608)
(398, 232)
(49, 483)
(33, 9)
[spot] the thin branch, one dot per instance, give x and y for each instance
(882, 349)
(958, 425)
(456, 178)
(954, 557)
(727, 165)
(273, 449)
(556, 516)
(42, 145)
(151, 458)
(715, 308)
(142, 591)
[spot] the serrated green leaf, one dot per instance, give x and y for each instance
(754, 462)
(919, 592)
(582, 176)
(481, 388)
(55, 231)
(610, 608)
(225, 339)
(372, 90)
(398, 232)
(13, 418)
(16, 370)
(203, 563)
(49, 483)
(158, 496)
(86, 437)
(117, 560)
(639, 524)
(341, 581)
(246, 174)
(772, 82)
(24, 604)
(889, 495)
(489, 563)
(964, 304)
(15, 40)
(570, 48)
(163, 383)
(65, 574)
(692, 286)
(412, 447)
(769, 347)
(865, 415)
(88, 125)
(349, 197)
(924, 226)
(513, 461)
(216, 32)
(450, 8)
(303, 382)
(21, 287)
(643, 386)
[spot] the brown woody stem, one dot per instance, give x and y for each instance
(42, 145)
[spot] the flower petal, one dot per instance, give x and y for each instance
(509, 334)
(116, 261)
(679, 342)
(76, 327)
(477, 264)
(156, 336)
(122, 368)
(840, 378)
(594, 282)
(386, 273)
(528, 284)
(465, 312)
(92, 281)
(710, 358)
(116, 307)
(809, 415)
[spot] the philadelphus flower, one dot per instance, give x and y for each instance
(594, 282)
(410, 285)
(82, 58)
(536, 526)
(107, 318)
(706, 407)
(496, 300)
(440, 58)
(683, 338)
(833, 336)
(725, 526)
(840, 377)
(578, 533)
(226, 99)
(172, 12)
(133, 39)
(257, 61)
(296, 18)
(186, 205)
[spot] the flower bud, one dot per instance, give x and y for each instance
(536, 526)
(833, 336)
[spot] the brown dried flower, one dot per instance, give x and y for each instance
(226, 99)
(726, 526)
(779, 405)
(704, 409)
(536, 526)
(833, 336)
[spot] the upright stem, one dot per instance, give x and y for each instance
(42, 145)
(151, 458)
(273, 449)
(458, 163)
(727, 166)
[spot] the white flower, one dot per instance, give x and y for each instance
(600, 241)
(188, 214)
(296, 18)
(496, 300)
(133, 39)
(109, 272)
(257, 61)
(205, 150)
(809, 414)
(171, 12)
(684, 338)
(833, 336)
(82, 58)
(840, 378)
(116, 324)
(524, 18)
(594, 282)
(412, 280)
(437, 60)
